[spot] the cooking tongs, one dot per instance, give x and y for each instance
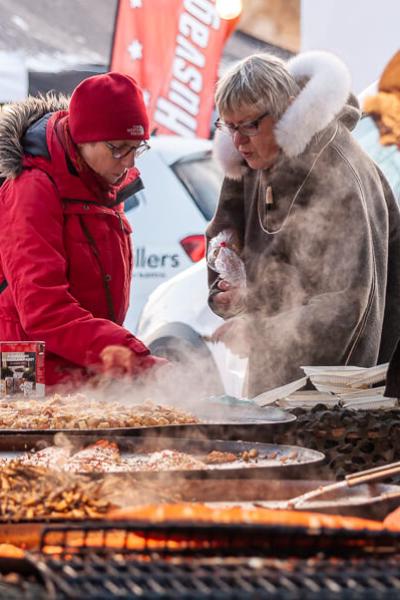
(350, 480)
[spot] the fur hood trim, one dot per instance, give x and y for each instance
(16, 120)
(226, 154)
(320, 100)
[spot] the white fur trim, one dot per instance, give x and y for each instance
(322, 98)
(226, 153)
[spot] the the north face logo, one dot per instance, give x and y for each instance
(136, 130)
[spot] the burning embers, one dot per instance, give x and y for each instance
(81, 412)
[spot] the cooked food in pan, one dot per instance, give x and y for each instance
(104, 456)
(32, 492)
(101, 456)
(28, 492)
(81, 412)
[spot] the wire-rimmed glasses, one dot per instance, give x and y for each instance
(136, 151)
(249, 129)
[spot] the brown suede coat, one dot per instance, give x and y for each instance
(325, 288)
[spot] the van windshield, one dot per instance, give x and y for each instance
(202, 178)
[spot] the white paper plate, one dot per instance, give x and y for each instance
(308, 399)
(328, 387)
(371, 403)
(354, 394)
(332, 370)
(370, 376)
(278, 393)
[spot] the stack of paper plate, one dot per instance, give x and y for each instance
(349, 387)
(339, 380)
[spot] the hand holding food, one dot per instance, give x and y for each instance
(223, 256)
(230, 298)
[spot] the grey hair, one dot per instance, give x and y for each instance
(261, 80)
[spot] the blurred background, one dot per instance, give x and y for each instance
(52, 44)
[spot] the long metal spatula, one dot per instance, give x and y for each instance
(351, 480)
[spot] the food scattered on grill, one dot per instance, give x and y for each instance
(164, 460)
(52, 457)
(78, 411)
(250, 454)
(392, 520)
(100, 456)
(198, 512)
(11, 551)
(104, 456)
(215, 457)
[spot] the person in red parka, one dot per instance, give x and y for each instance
(65, 248)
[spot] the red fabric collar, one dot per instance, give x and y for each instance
(104, 191)
(68, 180)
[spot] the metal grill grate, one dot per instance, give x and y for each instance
(224, 539)
(201, 561)
(110, 577)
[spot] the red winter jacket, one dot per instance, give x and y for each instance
(65, 259)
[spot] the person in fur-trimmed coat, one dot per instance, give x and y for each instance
(65, 249)
(318, 225)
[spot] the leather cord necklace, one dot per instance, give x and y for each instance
(268, 196)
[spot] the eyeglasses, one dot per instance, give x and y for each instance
(248, 129)
(136, 150)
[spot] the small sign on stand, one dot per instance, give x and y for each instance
(22, 369)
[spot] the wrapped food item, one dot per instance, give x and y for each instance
(385, 106)
(223, 257)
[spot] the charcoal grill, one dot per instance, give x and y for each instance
(190, 537)
(22, 579)
(254, 562)
(214, 561)
(108, 578)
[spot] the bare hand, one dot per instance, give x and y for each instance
(234, 334)
(229, 298)
(118, 361)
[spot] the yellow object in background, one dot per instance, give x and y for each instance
(228, 9)
(385, 106)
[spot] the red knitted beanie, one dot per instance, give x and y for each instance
(108, 107)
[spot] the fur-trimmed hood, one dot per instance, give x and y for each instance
(325, 96)
(14, 123)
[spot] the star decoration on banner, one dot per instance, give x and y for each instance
(146, 97)
(136, 3)
(135, 50)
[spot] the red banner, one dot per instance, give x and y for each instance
(172, 48)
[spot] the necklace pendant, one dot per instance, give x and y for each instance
(268, 196)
